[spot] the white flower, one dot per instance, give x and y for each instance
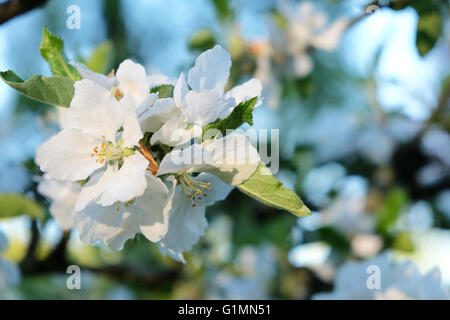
(94, 143)
(131, 85)
(187, 222)
(396, 281)
(201, 173)
(192, 194)
(63, 196)
(101, 142)
(113, 225)
(206, 102)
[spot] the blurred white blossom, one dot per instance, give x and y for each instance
(398, 281)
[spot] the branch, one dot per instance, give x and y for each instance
(152, 166)
(146, 279)
(14, 8)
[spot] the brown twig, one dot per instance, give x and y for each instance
(152, 166)
(14, 8)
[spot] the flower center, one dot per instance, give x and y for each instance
(193, 188)
(116, 93)
(108, 151)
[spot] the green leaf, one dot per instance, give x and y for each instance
(267, 189)
(54, 90)
(429, 29)
(242, 113)
(101, 58)
(223, 8)
(403, 242)
(202, 40)
(390, 210)
(52, 51)
(164, 90)
(280, 20)
(334, 238)
(13, 205)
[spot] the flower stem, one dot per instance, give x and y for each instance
(152, 166)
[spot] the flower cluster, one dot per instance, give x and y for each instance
(132, 156)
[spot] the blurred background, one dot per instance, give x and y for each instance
(360, 92)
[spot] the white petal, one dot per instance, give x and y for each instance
(65, 118)
(127, 183)
(146, 104)
(129, 103)
(176, 132)
(181, 160)
(211, 70)
(113, 225)
(220, 189)
(88, 93)
(162, 110)
(180, 90)
(66, 156)
(97, 113)
(132, 132)
(63, 196)
(132, 81)
(234, 158)
(204, 107)
(246, 91)
(186, 224)
(94, 187)
(154, 209)
(101, 79)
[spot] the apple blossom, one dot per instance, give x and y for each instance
(115, 224)
(397, 280)
(205, 101)
(95, 142)
(146, 154)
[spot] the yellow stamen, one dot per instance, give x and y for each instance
(193, 188)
